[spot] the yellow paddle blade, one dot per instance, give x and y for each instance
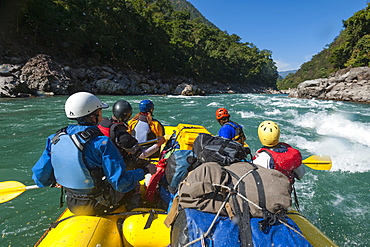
(318, 162)
(10, 190)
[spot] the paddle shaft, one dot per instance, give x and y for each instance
(12, 189)
(147, 142)
(31, 187)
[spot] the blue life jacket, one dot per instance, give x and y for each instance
(239, 134)
(70, 170)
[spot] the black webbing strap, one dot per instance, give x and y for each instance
(112, 132)
(89, 134)
(150, 220)
(260, 189)
(56, 223)
(61, 201)
(296, 199)
(223, 146)
(60, 132)
(245, 231)
(238, 130)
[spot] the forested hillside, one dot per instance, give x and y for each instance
(350, 48)
(194, 13)
(143, 35)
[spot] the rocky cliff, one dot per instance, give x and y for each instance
(350, 84)
(42, 75)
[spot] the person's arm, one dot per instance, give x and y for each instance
(113, 165)
(151, 150)
(43, 173)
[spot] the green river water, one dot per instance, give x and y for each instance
(336, 201)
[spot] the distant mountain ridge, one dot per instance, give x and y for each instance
(283, 74)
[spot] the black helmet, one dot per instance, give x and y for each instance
(122, 110)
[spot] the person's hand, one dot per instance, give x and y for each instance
(161, 140)
(152, 168)
(56, 185)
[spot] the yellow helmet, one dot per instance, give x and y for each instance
(268, 133)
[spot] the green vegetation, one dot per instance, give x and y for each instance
(179, 5)
(144, 35)
(350, 48)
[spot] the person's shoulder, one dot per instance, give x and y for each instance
(106, 122)
(236, 124)
(93, 133)
(73, 129)
(102, 140)
(156, 121)
(228, 126)
(132, 121)
(283, 144)
(288, 146)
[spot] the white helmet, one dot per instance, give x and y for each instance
(82, 104)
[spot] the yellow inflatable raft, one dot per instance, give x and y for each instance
(142, 227)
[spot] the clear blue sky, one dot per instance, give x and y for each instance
(294, 30)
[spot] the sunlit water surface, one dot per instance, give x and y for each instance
(337, 202)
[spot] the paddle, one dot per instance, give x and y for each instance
(11, 189)
(148, 142)
(318, 162)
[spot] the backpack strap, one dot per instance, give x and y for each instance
(296, 198)
(239, 132)
(260, 189)
(245, 230)
(223, 146)
(112, 132)
(56, 138)
(173, 212)
(81, 138)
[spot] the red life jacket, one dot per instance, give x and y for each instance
(107, 127)
(285, 161)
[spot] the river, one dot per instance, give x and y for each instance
(336, 201)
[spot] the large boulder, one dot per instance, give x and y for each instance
(188, 90)
(41, 73)
(10, 86)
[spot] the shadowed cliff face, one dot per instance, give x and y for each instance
(42, 75)
(9, 10)
(14, 48)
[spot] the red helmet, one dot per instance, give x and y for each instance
(221, 113)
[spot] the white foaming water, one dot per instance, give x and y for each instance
(248, 114)
(213, 104)
(345, 140)
(332, 128)
(273, 113)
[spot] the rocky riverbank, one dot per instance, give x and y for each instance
(350, 84)
(42, 75)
